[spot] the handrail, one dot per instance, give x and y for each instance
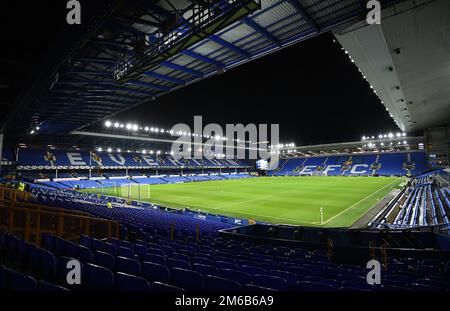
(28, 219)
(13, 202)
(30, 224)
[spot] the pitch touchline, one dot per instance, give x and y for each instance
(259, 215)
(348, 208)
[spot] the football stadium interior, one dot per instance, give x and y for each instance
(141, 207)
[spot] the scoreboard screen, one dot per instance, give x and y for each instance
(262, 165)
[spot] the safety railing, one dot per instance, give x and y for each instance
(29, 224)
(29, 220)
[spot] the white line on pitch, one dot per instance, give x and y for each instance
(348, 208)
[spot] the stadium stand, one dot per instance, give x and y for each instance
(423, 202)
(385, 164)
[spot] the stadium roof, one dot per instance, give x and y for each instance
(406, 60)
(136, 51)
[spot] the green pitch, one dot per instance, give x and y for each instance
(286, 200)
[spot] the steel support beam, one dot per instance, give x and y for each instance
(164, 77)
(150, 85)
(181, 68)
(305, 16)
(250, 22)
(228, 45)
(203, 58)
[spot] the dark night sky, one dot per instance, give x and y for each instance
(311, 89)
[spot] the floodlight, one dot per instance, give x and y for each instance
(122, 126)
(403, 134)
(118, 150)
(109, 150)
(146, 128)
(108, 123)
(144, 151)
(391, 135)
(99, 149)
(380, 136)
(398, 134)
(151, 151)
(116, 125)
(135, 127)
(38, 128)
(129, 126)
(158, 152)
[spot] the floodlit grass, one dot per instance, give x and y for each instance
(286, 200)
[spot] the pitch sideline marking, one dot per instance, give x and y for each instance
(348, 208)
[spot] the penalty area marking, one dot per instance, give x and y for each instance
(350, 207)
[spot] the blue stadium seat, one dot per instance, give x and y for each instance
(21, 282)
(291, 278)
(332, 282)
(98, 245)
(109, 248)
(155, 251)
(155, 259)
(47, 264)
(226, 265)
(202, 261)
(179, 256)
(50, 287)
(268, 281)
(253, 270)
(188, 279)
(175, 263)
(125, 252)
(84, 254)
(127, 265)
(256, 288)
(48, 241)
(3, 277)
(71, 249)
(236, 275)
(215, 283)
(97, 278)
(205, 269)
(104, 260)
(128, 282)
(162, 287)
(140, 250)
(86, 241)
(155, 272)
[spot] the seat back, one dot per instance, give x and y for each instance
(128, 282)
